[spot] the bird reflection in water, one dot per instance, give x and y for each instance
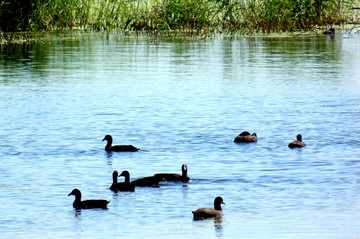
(218, 228)
(77, 213)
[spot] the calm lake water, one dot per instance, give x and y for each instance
(181, 101)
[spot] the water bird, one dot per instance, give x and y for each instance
(123, 186)
(246, 137)
(86, 204)
(115, 186)
(298, 143)
(208, 213)
(118, 148)
(174, 176)
(330, 31)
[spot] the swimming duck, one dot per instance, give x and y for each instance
(115, 185)
(330, 31)
(206, 213)
(124, 186)
(298, 143)
(174, 176)
(117, 148)
(245, 137)
(86, 204)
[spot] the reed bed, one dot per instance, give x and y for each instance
(241, 16)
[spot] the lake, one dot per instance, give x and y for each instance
(181, 100)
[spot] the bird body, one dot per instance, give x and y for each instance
(117, 148)
(246, 137)
(151, 181)
(87, 204)
(175, 176)
(123, 187)
(205, 213)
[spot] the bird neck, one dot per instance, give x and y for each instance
(108, 146)
(127, 179)
(115, 179)
(217, 206)
(299, 138)
(77, 201)
(184, 172)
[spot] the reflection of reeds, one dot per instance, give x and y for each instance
(194, 15)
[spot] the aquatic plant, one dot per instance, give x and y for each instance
(169, 15)
(181, 14)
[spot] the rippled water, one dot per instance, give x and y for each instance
(181, 101)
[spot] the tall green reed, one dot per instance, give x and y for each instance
(167, 15)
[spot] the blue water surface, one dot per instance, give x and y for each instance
(181, 101)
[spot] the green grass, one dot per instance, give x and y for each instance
(231, 16)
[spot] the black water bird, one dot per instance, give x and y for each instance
(116, 186)
(298, 143)
(86, 204)
(174, 176)
(331, 31)
(246, 137)
(118, 148)
(208, 213)
(123, 186)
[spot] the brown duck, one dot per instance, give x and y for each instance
(298, 143)
(208, 213)
(246, 137)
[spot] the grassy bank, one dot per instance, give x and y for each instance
(240, 16)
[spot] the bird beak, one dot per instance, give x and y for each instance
(69, 194)
(103, 139)
(223, 202)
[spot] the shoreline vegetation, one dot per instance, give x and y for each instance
(199, 17)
